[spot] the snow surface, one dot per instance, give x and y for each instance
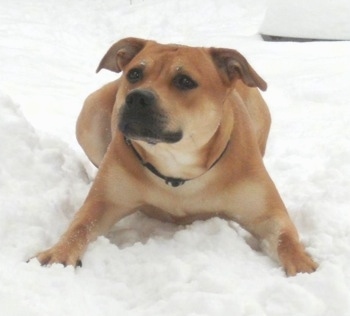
(48, 53)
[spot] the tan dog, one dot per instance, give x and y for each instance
(179, 136)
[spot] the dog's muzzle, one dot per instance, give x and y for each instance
(141, 118)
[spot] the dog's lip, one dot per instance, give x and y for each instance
(154, 140)
(145, 135)
(148, 140)
(149, 136)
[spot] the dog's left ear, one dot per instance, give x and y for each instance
(121, 53)
(235, 66)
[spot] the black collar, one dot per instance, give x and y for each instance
(174, 182)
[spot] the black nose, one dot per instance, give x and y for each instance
(140, 98)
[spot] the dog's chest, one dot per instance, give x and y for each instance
(190, 202)
(181, 204)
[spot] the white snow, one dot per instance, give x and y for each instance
(49, 51)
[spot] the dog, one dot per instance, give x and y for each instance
(179, 136)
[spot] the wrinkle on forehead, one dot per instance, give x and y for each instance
(175, 58)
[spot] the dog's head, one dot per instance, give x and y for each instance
(173, 93)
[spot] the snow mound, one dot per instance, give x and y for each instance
(312, 19)
(41, 184)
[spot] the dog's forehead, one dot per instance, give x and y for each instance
(174, 57)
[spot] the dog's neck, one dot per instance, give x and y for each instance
(179, 163)
(172, 181)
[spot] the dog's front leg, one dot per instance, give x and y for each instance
(264, 215)
(279, 238)
(107, 202)
(93, 219)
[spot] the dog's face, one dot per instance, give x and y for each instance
(166, 96)
(173, 94)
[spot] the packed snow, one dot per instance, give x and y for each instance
(48, 53)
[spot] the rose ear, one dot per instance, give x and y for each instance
(121, 53)
(235, 66)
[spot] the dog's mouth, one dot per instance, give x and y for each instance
(152, 136)
(141, 118)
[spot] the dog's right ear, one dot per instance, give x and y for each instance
(121, 53)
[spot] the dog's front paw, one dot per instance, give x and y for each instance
(300, 263)
(59, 254)
(293, 257)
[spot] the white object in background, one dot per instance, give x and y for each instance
(311, 19)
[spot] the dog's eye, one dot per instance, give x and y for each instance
(134, 75)
(184, 82)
